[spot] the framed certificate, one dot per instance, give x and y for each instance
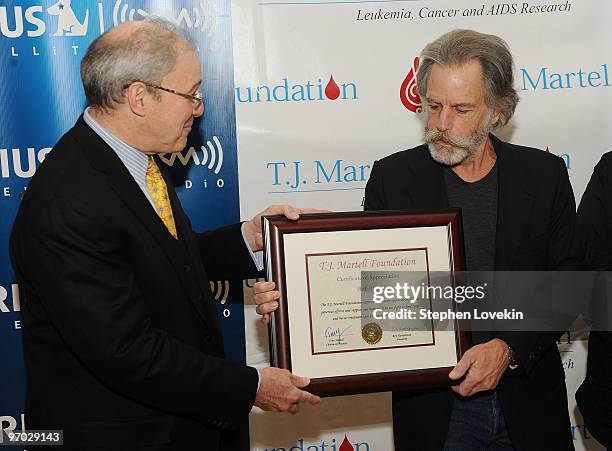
(358, 310)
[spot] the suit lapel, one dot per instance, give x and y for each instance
(121, 181)
(514, 203)
(425, 187)
(104, 159)
(205, 307)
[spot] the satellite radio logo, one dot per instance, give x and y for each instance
(408, 93)
(201, 16)
(67, 21)
(208, 156)
(220, 290)
(22, 163)
(308, 91)
(70, 19)
(212, 156)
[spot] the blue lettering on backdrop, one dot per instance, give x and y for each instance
(41, 46)
(317, 175)
(546, 78)
(286, 91)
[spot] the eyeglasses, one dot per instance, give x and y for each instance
(196, 98)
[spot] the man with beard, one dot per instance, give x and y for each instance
(518, 215)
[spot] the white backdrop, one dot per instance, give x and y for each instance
(288, 123)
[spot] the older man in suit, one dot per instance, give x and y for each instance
(122, 343)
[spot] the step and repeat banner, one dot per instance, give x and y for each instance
(324, 88)
(41, 46)
(302, 96)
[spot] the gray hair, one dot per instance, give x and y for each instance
(114, 59)
(458, 47)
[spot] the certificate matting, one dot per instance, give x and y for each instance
(336, 309)
(424, 241)
(297, 245)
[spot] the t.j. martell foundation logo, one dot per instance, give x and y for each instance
(324, 445)
(346, 445)
(408, 93)
(286, 90)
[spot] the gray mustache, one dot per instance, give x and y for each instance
(434, 134)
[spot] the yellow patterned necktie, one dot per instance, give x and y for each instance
(159, 194)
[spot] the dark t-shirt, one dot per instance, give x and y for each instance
(478, 202)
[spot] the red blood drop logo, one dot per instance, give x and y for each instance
(332, 91)
(346, 445)
(408, 94)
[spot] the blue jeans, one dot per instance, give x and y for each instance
(477, 424)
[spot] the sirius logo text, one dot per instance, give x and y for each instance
(22, 164)
(66, 21)
(31, 20)
(36, 26)
(9, 423)
(9, 302)
(286, 91)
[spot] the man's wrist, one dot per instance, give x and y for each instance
(247, 235)
(257, 256)
(513, 362)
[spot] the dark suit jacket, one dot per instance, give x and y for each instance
(121, 339)
(595, 221)
(535, 231)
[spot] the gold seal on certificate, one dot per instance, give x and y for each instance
(371, 333)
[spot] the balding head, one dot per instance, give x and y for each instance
(133, 51)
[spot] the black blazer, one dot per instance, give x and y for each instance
(535, 231)
(121, 339)
(594, 396)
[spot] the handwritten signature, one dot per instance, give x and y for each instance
(336, 334)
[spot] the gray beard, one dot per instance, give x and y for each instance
(462, 148)
(452, 157)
